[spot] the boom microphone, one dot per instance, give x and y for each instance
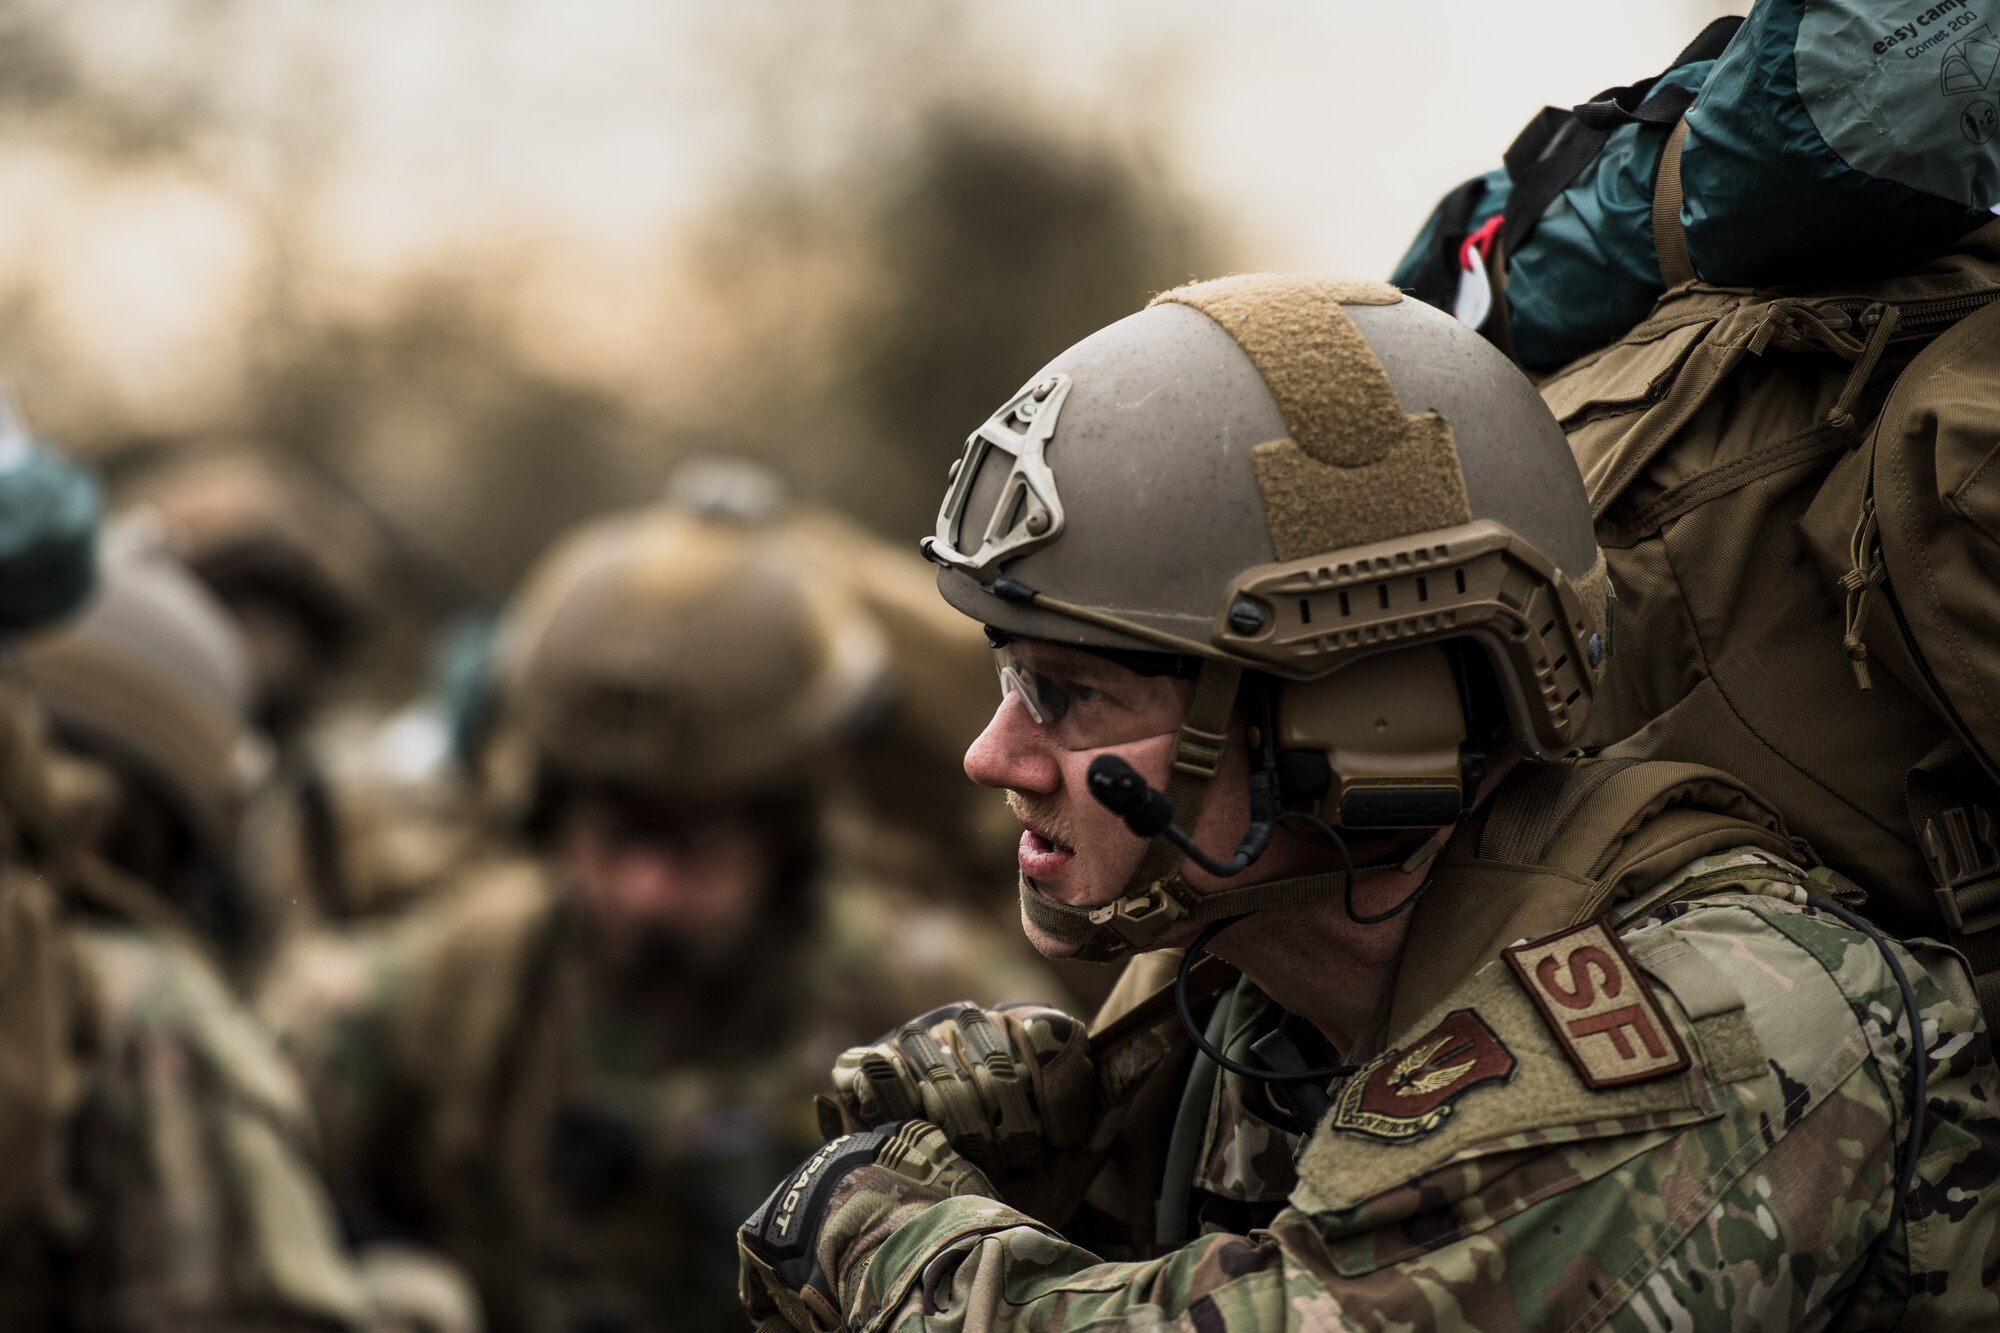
(1119, 789)
(1148, 813)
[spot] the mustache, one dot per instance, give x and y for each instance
(1044, 814)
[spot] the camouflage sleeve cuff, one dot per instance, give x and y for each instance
(892, 1216)
(910, 1228)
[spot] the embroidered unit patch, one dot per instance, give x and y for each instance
(1410, 1091)
(1597, 1003)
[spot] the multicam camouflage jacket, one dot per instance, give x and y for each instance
(1688, 1114)
(585, 1150)
(188, 1194)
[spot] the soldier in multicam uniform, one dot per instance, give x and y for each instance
(1520, 1040)
(575, 1070)
(185, 1194)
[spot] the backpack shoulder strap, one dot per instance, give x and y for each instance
(1623, 824)
(1670, 240)
(1561, 842)
(1555, 147)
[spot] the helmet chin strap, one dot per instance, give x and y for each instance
(1137, 922)
(1158, 898)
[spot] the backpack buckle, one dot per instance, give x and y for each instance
(1963, 852)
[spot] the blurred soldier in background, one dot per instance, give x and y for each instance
(301, 567)
(182, 1193)
(188, 1195)
(150, 683)
(575, 1069)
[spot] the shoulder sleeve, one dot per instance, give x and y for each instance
(1474, 1176)
(1746, 1190)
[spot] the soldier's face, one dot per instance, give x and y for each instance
(1072, 849)
(689, 895)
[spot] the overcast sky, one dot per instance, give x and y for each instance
(581, 133)
(1324, 128)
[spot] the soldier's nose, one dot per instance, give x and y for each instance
(1012, 753)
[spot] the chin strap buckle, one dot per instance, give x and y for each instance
(1198, 752)
(1143, 919)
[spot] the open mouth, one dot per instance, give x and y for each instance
(1042, 842)
(1042, 856)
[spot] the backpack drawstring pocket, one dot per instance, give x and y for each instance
(1880, 321)
(1864, 551)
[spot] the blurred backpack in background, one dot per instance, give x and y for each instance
(1795, 476)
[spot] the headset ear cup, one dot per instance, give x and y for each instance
(1376, 744)
(1304, 777)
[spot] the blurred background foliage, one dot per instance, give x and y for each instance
(496, 264)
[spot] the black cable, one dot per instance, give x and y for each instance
(1323, 1074)
(1919, 1108)
(1185, 1009)
(1403, 904)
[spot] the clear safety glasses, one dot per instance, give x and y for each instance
(1085, 702)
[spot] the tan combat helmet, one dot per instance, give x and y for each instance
(1322, 485)
(150, 678)
(680, 657)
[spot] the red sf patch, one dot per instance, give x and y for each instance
(1410, 1091)
(1598, 1005)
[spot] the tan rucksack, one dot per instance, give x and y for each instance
(1794, 494)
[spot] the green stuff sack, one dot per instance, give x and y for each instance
(1820, 140)
(1836, 137)
(1778, 540)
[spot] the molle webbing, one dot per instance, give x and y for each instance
(1560, 842)
(1355, 467)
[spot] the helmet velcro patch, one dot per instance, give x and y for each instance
(1355, 467)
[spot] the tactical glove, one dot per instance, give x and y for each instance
(1010, 1087)
(793, 1251)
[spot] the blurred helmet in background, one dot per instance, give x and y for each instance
(909, 811)
(151, 677)
(681, 658)
(150, 682)
(294, 558)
